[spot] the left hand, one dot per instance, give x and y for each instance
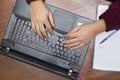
(81, 35)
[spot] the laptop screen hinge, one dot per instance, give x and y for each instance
(70, 72)
(6, 44)
(72, 75)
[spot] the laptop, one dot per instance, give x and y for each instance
(22, 43)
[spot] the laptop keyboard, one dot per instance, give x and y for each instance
(23, 34)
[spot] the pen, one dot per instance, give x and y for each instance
(106, 38)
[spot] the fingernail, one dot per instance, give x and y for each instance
(52, 32)
(45, 37)
(65, 45)
(71, 48)
(62, 42)
(54, 25)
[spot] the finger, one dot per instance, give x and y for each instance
(32, 22)
(33, 26)
(38, 29)
(51, 19)
(76, 47)
(48, 26)
(42, 30)
(73, 44)
(70, 35)
(70, 41)
(75, 29)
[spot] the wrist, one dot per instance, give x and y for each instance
(100, 25)
(36, 0)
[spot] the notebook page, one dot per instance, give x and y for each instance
(106, 55)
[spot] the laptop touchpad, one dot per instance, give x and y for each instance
(64, 21)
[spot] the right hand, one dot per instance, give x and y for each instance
(41, 18)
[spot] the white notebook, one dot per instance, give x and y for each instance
(106, 55)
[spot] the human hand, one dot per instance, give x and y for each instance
(41, 18)
(81, 35)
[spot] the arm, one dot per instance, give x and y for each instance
(112, 16)
(83, 34)
(41, 17)
(28, 1)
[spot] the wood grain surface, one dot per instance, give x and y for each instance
(11, 69)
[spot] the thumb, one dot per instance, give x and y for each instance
(51, 19)
(75, 29)
(70, 35)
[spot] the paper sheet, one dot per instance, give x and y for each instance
(107, 55)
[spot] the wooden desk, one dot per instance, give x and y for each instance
(11, 69)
